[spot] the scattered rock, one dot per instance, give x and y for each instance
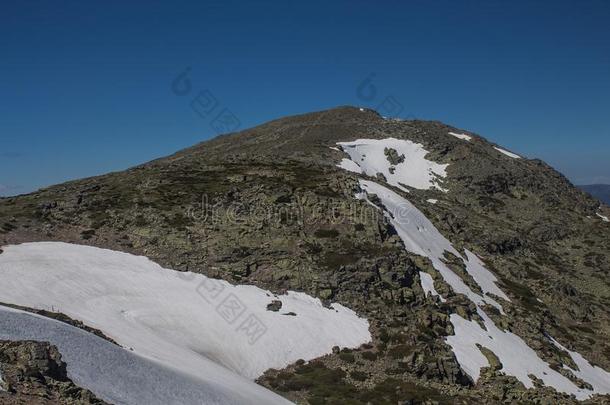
(274, 306)
(393, 157)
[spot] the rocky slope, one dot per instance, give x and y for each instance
(269, 206)
(33, 373)
(599, 191)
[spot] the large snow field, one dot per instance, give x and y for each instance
(182, 320)
(421, 237)
(123, 377)
(415, 171)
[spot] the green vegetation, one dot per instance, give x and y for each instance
(400, 351)
(326, 233)
(370, 356)
(347, 357)
(358, 375)
(328, 387)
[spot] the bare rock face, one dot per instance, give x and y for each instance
(274, 306)
(393, 157)
(33, 373)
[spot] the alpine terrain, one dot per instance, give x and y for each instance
(599, 191)
(335, 257)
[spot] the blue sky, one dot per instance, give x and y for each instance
(87, 86)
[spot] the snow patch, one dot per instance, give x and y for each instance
(421, 237)
(120, 376)
(517, 358)
(427, 284)
(484, 278)
(183, 320)
(461, 136)
(507, 153)
(604, 218)
(350, 166)
(414, 170)
(597, 377)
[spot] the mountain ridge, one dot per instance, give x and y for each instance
(268, 206)
(599, 191)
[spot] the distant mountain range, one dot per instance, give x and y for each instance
(599, 191)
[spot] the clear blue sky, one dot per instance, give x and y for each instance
(86, 87)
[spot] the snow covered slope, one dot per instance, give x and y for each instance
(408, 168)
(182, 320)
(597, 377)
(122, 377)
(421, 237)
(350, 165)
(518, 359)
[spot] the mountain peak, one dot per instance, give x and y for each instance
(473, 268)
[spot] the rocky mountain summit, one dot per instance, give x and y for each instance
(351, 207)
